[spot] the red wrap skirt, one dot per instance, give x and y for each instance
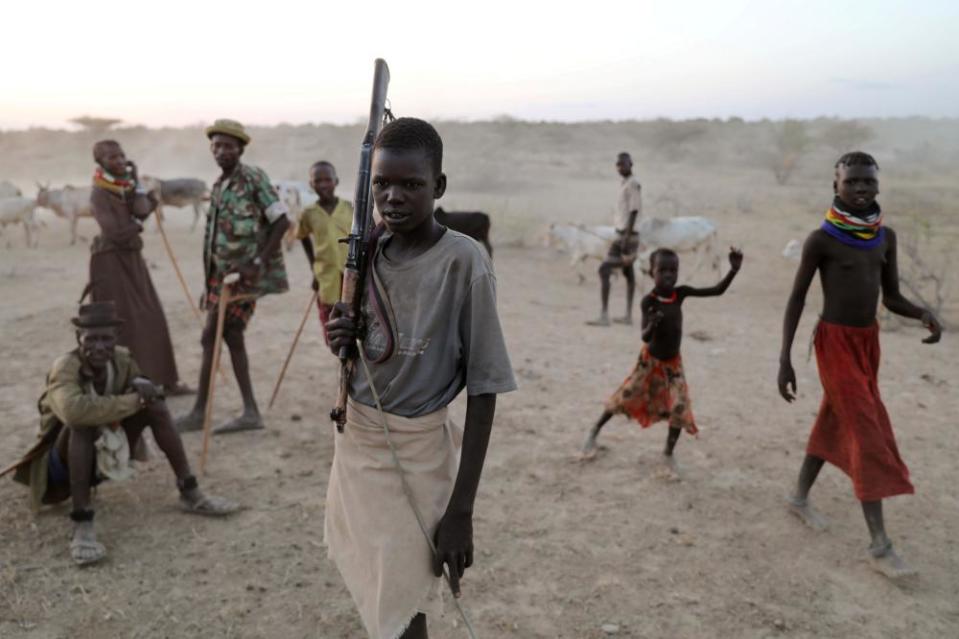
(852, 430)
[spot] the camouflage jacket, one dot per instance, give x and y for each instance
(242, 207)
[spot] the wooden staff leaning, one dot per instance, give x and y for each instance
(176, 267)
(226, 298)
(296, 339)
(179, 274)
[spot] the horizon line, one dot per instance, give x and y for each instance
(498, 119)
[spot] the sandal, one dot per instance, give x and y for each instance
(85, 552)
(209, 506)
(240, 424)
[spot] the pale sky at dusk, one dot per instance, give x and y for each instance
(178, 62)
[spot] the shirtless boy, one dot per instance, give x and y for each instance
(855, 255)
(656, 389)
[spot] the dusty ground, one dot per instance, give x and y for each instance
(563, 547)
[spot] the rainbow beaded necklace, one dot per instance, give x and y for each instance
(861, 231)
(105, 180)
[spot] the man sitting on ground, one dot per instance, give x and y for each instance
(95, 406)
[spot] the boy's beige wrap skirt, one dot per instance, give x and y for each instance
(371, 532)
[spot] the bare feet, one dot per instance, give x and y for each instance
(190, 422)
(808, 515)
(246, 421)
(885, 561)
(589, 447)
(627, 320)
(670, 470)
(84, 547)
(602, 320)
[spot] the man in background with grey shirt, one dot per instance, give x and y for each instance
(431, 330)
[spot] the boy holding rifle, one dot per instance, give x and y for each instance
(430, 329)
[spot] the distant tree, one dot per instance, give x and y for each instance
(95, 125)
(843, 136)
(791, 141)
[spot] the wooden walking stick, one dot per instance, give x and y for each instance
(183, 284)
(13, 467)
(226, 297)
(296, 339)
(38, 449)
(176, 267)
(225, 290)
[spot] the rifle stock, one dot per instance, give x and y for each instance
(357, 259)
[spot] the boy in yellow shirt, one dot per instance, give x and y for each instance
(321, 226)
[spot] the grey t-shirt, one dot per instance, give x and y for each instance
(446, 332)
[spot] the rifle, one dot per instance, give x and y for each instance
(357, 259)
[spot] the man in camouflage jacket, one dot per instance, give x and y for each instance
(245, 225)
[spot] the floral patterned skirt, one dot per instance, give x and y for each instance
(655, 391)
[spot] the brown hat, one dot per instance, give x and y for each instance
(228, 127)
(96, 314)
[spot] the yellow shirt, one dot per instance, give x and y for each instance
(329, 253)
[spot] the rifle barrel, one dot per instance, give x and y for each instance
(354, 273)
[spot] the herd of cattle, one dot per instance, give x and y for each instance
(692, 235)
(73, 202)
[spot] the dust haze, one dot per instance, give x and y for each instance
(562, 547)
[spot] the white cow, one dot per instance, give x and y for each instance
(71, 203)
(694, 235)
(8, 189)
(581, 242)
(19, 210)
(297, 196)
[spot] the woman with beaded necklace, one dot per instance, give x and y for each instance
(117, 270)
